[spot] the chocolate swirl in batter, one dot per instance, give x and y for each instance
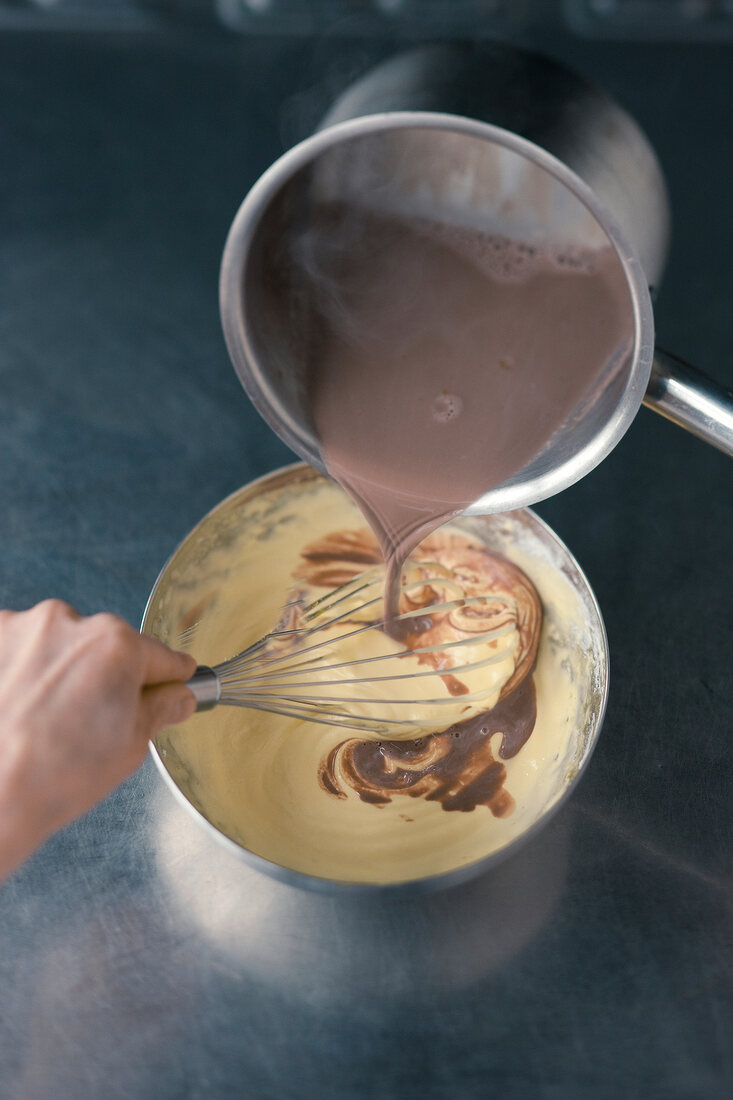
(456, 767)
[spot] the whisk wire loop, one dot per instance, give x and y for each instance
(296, 669)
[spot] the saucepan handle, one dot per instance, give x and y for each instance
(689, 398)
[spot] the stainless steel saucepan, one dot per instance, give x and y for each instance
(472, 136)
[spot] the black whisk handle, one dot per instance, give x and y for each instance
(206, 687)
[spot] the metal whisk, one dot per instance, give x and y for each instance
(298, 669)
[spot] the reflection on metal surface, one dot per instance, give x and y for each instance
(331, 950)
(387, 17)
(76, 15)
(651, 19)
(647, 20)
(684, 395)
(109, 985)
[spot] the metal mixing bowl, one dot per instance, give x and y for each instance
(207, 556)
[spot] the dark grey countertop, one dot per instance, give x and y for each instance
(135, 959)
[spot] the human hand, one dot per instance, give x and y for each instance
(79, 700)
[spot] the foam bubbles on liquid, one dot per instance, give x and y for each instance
(446, 406)
(508, 259)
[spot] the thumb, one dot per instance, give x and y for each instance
(164, 705)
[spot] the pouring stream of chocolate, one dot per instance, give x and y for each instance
(442, 360)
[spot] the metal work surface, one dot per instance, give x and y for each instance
(137, 958)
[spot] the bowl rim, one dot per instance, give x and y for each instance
(301, 471)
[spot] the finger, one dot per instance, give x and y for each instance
(164, 705)
(161, 664)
